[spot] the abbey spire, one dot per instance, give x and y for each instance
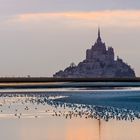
(99, 32)
(99, 36)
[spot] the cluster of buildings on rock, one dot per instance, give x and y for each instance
(99, 62)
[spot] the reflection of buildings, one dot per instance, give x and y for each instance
(99, 62)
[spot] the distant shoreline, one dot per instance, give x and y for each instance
(49, 82)
(51, 79)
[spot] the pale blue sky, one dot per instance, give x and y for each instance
(18, 6)
(40, 37)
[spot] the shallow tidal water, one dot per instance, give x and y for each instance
(70, 114)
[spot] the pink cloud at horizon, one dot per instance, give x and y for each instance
(127, 18)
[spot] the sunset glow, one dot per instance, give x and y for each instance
(107, 18)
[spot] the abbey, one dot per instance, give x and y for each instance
(99, 62)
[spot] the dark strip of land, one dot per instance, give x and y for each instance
(48, 82)
(50, 79)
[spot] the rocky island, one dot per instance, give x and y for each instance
(100, 62)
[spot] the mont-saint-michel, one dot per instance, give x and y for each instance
(100, 62)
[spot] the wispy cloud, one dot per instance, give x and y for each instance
(104, 18)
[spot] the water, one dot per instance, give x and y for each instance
(70, 114)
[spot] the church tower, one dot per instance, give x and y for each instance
(97, 50)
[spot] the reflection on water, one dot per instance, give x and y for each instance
(57, 116)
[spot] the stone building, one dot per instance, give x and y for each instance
(100, 62)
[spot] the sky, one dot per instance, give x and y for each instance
(41, 37)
